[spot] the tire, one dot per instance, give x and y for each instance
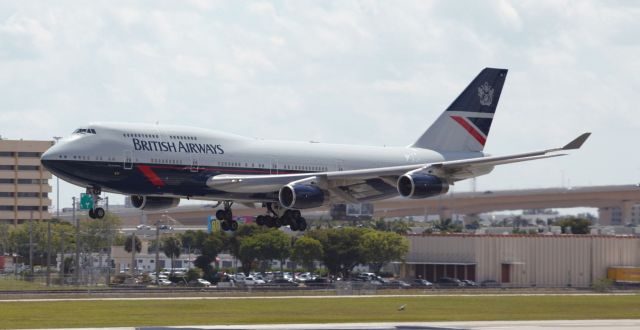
(99, 213)
(293, 226)
(271, 222)
(295, 214)
(260, 220)
(92, 215)
(224, 225)
(220, 214)
(228, 215)
(302, 224)
(233, 225)
(277, 223)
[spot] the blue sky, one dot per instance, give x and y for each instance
(357, 72)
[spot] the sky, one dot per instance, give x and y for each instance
(353, 72)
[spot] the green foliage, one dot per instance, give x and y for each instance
(265, 246)
(233, 244)
(204, 263)
(306, 250)
(400, 227)
(212, 245)
(98, 234)
(129, 244)
(194, 274)
(382, 247)
(580, 226)
(342, 248)
(172, 247)
(447, 226)
(602, 285)
(18, 240)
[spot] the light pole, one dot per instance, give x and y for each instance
(57, 185)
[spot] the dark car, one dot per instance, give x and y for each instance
(397, 284)
(449, 282)
(283, 282)
(490, 284)
(420, 283)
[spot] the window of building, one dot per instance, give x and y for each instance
(6, 154)
(6, 207)
(28, 208)
(7, 181)
(6, 194)
(6, 167)
(28, 194)
(31, 181)
(29, 154)
(28, 168)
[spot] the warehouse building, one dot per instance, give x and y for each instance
(520, 260)
(24, 183)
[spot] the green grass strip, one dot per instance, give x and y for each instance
(122, 313)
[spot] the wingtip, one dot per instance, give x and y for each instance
(577, 142)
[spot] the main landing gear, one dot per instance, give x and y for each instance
(96, 212)
(226, 217)
(282, 217)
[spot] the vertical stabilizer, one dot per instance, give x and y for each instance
(465, 125)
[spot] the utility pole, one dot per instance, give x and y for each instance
(76, 272)
(31, 245)
(157, 252)
(62, 238)
(57, 186)
(49, 252)
(133, 253)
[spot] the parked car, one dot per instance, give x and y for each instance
(469, 283)
(281, 281)
(418, 282)
(200, 282)
(450, 282)
(397, 284)
(250, 280)
(490, 284)
(164, 282)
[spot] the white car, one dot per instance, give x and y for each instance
(201, 282)
(164, 282)
(250, 280)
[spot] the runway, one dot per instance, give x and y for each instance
(471, 325)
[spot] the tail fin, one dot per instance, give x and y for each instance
(465, 125)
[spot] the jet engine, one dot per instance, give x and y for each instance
(301, 196)
(421, 185)
(150, 203)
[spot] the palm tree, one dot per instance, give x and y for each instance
(172, 247)
(132, 245)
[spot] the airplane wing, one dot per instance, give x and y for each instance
(356, 186)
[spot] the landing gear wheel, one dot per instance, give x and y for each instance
(271, 222)
(233, 225)
(224, 225)
(260, 220)
(301, 223)
(228, 215)
(99, 213)
(293, 226)
(92, 214)
(220, 214)
(277, 223)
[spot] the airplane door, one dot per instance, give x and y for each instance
(274, 166)
(128, 160)
(194, 163)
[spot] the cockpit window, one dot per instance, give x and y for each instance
(85, 131)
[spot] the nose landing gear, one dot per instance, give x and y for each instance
(95, 212)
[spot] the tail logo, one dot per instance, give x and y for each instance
(485, 92)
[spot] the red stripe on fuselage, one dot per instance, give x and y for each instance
(481, 139)
(151, 175)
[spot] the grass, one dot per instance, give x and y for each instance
(10, 284)
(310, 310)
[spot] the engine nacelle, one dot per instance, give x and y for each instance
(421, 185)
(301, 196)
(150, 203)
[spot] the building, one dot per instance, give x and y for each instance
(24, 183)
(520, 260)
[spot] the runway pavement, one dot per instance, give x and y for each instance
(475, 325)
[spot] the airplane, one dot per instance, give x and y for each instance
(157, 165)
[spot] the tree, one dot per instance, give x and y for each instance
(233, 242)
(382, 247)
(580, 226)
(204, 262)
(342, 248)
(400, 227)
(447, 226)
(306, 250)
(172, 248)
(128, 245)
(212, 245)
(194, 274)
(4, 238)
(269, 245)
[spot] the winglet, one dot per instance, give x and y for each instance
(577, 142)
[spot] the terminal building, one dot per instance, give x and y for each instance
(520, 260)
(24, 183)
